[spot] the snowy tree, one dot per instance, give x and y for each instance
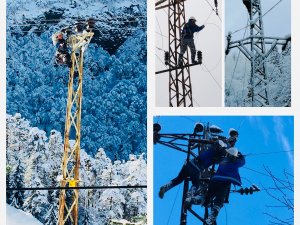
(17, 198)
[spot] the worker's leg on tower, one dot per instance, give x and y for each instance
(195, 196)
(183, 48)
(219, 189)
(177, 180)
(192, 47)
(189, 169)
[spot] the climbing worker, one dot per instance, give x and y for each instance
(62, 55)
(187, 39)
(248, 3)
(195, 167)
(219, 186)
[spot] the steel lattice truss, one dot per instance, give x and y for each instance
(68, 200)
(187, 143)
(257, 55)
(180, 89)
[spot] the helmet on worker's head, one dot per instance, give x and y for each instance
(192, 18)
(233, 132)
(233, 151)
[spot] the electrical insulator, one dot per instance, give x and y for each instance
(228, 43)
(216, 5)
(167, 58)
(199, 56)
(198, 128)
(156, 129)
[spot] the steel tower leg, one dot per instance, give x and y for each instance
(180, 89)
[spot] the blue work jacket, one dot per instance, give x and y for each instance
(228, 169)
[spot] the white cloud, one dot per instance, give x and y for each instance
(282, 138)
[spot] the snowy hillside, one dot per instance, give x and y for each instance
(33, 159)
(114, 86)
(237, 78)
(16, 217)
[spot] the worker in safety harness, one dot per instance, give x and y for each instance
(219, 186)
(195, 167)
(62, 55)
(187, 39)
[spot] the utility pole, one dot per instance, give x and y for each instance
(254, 48)
(187, 143)
(68, 205)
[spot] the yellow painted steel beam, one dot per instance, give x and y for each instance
(68, 205)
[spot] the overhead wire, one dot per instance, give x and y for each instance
(244, 78)
(162, 40)
(267, 153)
(173, 205)
(75, 188)
(262, 17)
(233, 73)
(261, 173)
(213, 9)
(212, 76)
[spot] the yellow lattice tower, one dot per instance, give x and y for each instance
(68, 208)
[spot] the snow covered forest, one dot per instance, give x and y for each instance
(114, 85)
(237, 79)
(33, 159)
(113, 127)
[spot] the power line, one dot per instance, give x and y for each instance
(43, 24)
(212, 76)
(262, 17)
(213, 9)
(42, 31)
(233, 73)
(173, 205)
(73, 188)
(267, 153)
(261, 173)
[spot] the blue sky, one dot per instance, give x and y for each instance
(260, 137)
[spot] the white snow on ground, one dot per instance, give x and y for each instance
(16, 217)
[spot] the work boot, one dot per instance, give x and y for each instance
(164, 189)
(213, 215)
(196, 200)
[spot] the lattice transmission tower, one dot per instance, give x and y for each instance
(68, 199)
(254, 48)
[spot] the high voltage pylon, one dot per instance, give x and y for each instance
(180, 88)
(68, 205)
(257, 54)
